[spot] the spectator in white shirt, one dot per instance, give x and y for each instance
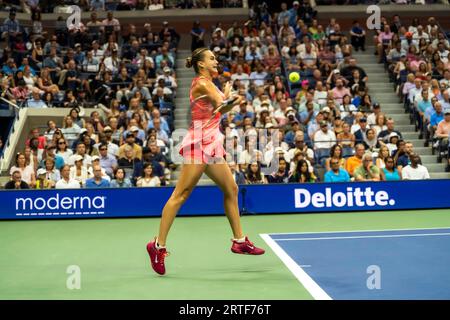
(415, 171)
(324, 138)
(66, 182)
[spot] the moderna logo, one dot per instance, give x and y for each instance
(58, 205)
(357, 197)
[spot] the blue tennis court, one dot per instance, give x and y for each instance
(388, 264)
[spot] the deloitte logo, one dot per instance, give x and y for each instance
(352, 198)
(61, 205)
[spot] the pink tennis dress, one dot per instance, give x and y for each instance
(203, 143)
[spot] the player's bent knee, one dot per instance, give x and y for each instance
(182, 196)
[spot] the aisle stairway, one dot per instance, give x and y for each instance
(381, 91)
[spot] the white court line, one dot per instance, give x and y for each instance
(313, 288)
(365, 237)
(347, 231)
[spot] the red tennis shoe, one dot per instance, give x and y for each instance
(157, 257)
(246, 247)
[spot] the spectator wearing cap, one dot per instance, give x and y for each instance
(323, 140)
(168, 78)
(360, 134)
(16, 181)
(367, 171)
(138, 134)
(95, 162)
(356, 160)
(97, 181)
(79, 171)
(314, 125)
(130, 142)
(415, 171)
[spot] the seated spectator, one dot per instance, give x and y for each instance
(16, 181)
(390, 172)
(35, 101)
(70, 130)
(254, 175)
(383, 154)
(356, 160)
(130, 141)
(360, 134)
(97, 181)
(79, 171)
(131, 164)
(324, 139)
(336, 172)
(367, 171)
(81, 151)
(415, 171)
(404, 156)
(371, 142)
(41, 180)
(96, 162)
(347, 140)
(148, 179)
(384, 135)
(66, 182)
(302, 173)
(120, 180)
(281, 175)
(335, 154)
(238, 176)
(107, 161)
(51, 172)
(27, 173)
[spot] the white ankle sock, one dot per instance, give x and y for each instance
(241, 240)
(158, 246)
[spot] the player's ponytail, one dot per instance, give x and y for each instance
(195, 58)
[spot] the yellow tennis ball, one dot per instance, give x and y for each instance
(294, 77)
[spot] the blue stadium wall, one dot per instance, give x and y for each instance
(207, 200)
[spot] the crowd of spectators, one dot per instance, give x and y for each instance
(326, 127)
(58, 6)
(129, 76)
(417, 58)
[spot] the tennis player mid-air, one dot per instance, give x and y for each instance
(203, 151)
